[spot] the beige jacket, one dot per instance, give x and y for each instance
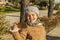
(33, 33)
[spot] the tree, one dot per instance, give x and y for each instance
(50, 8)
(24, 3)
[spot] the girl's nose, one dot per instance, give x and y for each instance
(31, 17)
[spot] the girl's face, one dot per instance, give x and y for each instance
(31, 17)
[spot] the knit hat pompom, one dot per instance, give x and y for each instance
(31, 8)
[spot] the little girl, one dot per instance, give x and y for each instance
(32, 29)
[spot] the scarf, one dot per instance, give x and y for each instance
(33, 24)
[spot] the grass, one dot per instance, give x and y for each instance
(6, 12)
(4, 24)
(8, 9)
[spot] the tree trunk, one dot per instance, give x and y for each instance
(24, 3)
(50, 8)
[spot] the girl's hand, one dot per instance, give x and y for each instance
(15, 26)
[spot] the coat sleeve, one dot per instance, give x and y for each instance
(20, 35)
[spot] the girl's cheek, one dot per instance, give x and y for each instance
(33, 18)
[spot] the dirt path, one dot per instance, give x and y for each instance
(55, 32)
(13, 17)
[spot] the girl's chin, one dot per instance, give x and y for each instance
(32, 21)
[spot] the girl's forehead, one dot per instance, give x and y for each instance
(31, 12)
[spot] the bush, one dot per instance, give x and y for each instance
(56, 6)
(3, 25)
(49, 23)
(8, 9)
(2, 8)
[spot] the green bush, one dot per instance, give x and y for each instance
(56, 6)
(4, 24)
(43, 3)
(2, 8)
(49, 23)
(8, 9)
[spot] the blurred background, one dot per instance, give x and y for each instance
(12, 11)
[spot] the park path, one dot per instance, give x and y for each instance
(13, 17)
(55, 32)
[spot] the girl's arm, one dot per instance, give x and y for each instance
(17, 35)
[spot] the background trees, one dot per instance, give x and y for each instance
(24, 3)
(50, 8)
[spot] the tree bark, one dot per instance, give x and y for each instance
(50, 8)
(24, 3)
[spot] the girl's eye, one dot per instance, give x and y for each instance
(32, 14)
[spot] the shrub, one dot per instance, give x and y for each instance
(8, 9)
(2, 8)
(43, 3)
(4, 24)
(56, 6)
(49, 23)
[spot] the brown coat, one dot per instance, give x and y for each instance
(34, 33)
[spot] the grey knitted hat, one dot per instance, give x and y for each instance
(31, 8)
